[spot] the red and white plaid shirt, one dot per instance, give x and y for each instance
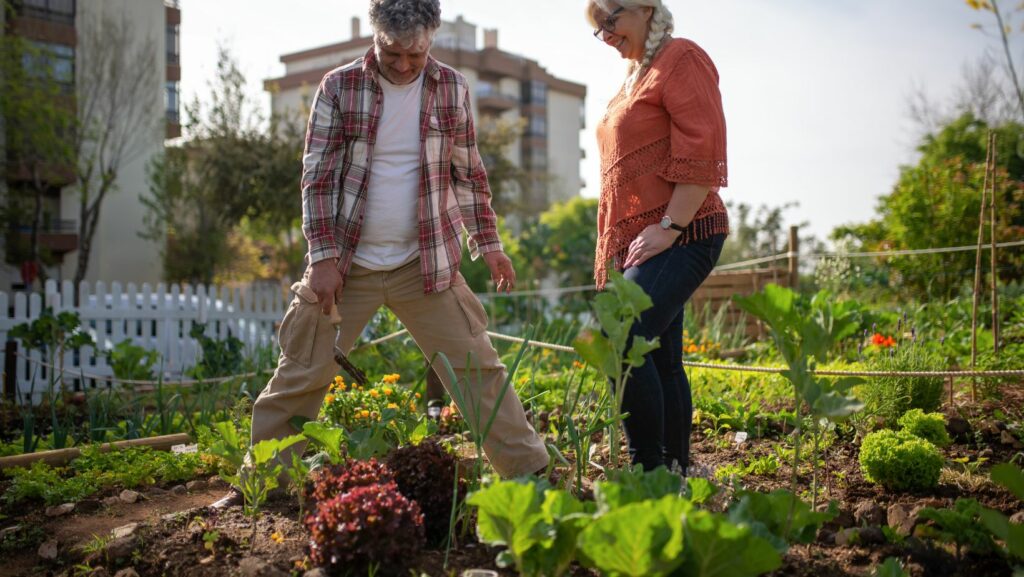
(454, 193)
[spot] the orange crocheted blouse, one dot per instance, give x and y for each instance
(670, 129)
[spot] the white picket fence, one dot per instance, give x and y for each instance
(158, 319)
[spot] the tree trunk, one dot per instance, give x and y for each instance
(86, 232)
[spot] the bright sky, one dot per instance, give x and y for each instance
(816, 92)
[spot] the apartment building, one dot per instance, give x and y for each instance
(503, 86)
(56, 28)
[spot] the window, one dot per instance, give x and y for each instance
(62, 11)
(538, 158)
(173, 44)
(171, 100)
(538, 92)
(48, 59)
(538, 125)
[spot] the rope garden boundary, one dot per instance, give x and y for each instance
(559, 348)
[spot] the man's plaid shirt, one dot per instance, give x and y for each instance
(454, 192)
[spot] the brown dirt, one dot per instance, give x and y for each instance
(175, 546)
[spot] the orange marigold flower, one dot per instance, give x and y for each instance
(329, 399)
(393, 406)
(388, 391)
(392, 378)
(577, 365)
(374, 393)
(412, 405)
(417, 395)
(364, 414)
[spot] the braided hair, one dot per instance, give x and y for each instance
(659, 29)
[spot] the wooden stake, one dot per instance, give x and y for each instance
(58, 457)
(992, 234)
(977, 271)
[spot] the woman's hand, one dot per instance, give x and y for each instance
(651, 241)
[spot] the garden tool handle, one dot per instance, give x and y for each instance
(335, 317)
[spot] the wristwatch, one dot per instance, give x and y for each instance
(666, 223)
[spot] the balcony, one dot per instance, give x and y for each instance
(489, 98)
(59, 236)
(55, 11)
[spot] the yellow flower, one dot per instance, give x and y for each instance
(329, 399)
(412, 405)
(523, 380)
(392, 378)
(277, 537)
(374, 393)
(417, 395)
(364, 414)
(577, 365)
(393, 406)
(338, 379)
(388, 391)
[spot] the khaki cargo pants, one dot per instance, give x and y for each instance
(452, 322)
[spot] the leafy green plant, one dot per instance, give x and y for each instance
(642, 538)
(892, 396)
(220, 357)
(425, 473)
(610, 349)
(780, 517)
(891, 567)
(929, 426)
(538, 528)
(258, 468)
(804, 332)
(132, 362)
(52, 335)
(367, 529)
(43, 482)
(961, 526)
(1011, 534)
(900, 461)
(635, 485)
(715, 547)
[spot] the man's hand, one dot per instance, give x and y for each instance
(502, 274)
(650, 242)
(325, 280)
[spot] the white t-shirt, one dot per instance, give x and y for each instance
(390, 231)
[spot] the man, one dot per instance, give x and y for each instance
(391, 176)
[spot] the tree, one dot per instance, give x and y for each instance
(1004, 28)
(507, 179)
(936, 203)
(227, 198)
(117, 73)
(39, 119)
(562, 242)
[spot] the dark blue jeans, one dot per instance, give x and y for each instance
(657, 395)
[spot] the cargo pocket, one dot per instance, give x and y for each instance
(472, 310)
(299, 327)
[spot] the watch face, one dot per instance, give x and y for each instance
(666, 222)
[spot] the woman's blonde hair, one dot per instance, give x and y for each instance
(659, 28)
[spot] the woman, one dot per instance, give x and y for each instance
(661, 221)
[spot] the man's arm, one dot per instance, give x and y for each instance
(321, 166)
(469, 181)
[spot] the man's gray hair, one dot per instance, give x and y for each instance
(405, 19)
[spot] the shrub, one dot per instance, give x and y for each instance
(900, 461)
(371, 529)
(425, 473)
(929, 426)
(334, 480)
(891, 397)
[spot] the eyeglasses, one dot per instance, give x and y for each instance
(609, 23)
